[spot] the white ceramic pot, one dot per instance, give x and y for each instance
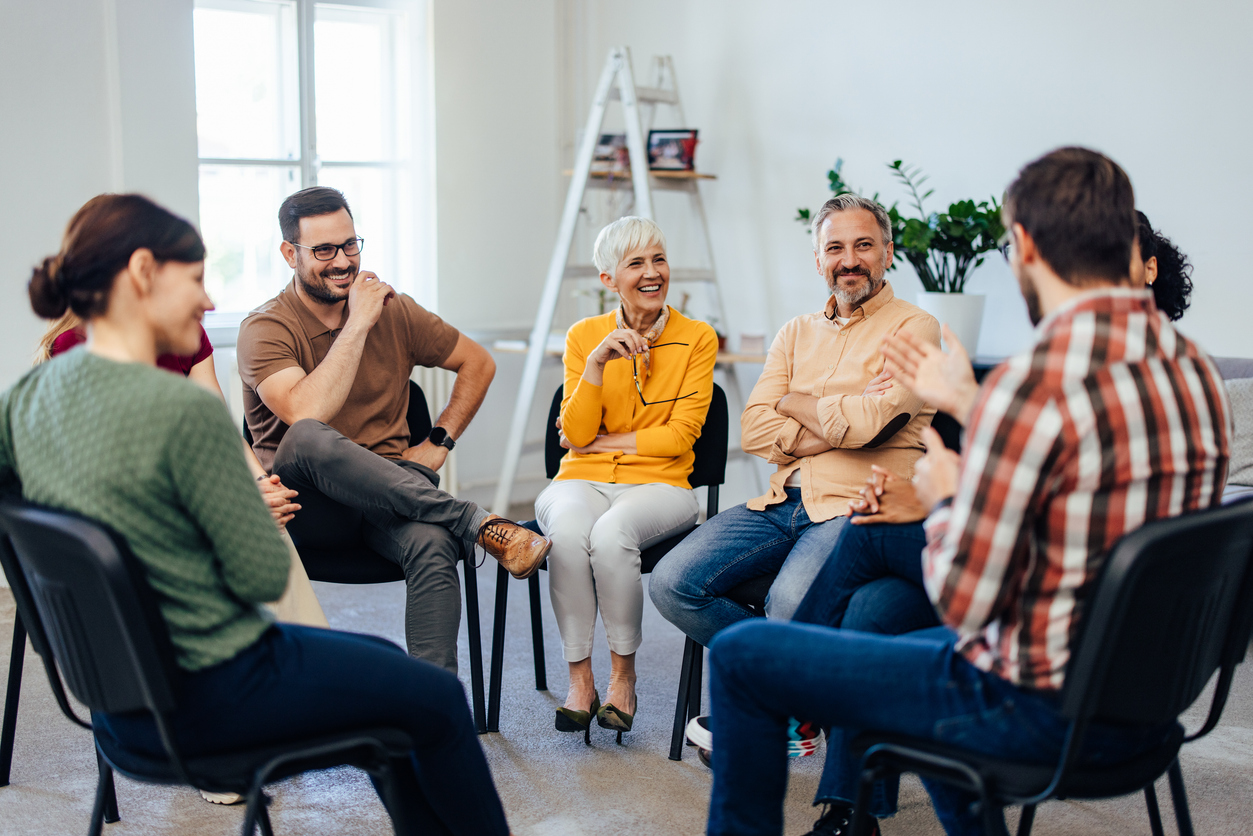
(961, 312)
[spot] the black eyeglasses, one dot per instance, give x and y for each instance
(327, 252)
(636, 376)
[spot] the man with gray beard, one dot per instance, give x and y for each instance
(823, 411)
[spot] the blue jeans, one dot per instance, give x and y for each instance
(873, 583)
(297, 682)
(689, 585)
(763, 672)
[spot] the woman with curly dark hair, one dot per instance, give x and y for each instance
(1160, 265)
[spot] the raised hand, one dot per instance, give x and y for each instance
(622, 342)
(366, 299)
(944, 380)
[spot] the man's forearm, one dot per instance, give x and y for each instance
(804, 408)
(321, 393)
(810, 444)
(473, 378)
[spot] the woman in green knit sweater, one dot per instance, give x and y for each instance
(104, 433)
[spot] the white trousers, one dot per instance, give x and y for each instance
(598, 529)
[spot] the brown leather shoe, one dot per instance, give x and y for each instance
(518, 549)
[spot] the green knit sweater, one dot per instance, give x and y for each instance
(157, 458)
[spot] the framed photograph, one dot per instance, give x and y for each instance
(611, 156)
(672, 150)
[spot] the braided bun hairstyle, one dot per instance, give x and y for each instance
(98, 244)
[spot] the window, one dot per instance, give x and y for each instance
(297, 93)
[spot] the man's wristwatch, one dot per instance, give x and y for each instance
(439, 437)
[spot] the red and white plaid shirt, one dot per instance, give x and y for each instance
(1112, 419)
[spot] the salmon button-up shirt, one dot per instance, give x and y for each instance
(815, 355)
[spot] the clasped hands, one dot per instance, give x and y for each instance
(278, 498)
(889, 498)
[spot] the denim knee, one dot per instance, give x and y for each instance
(663, 586)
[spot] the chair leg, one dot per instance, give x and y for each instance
(104, 788)
(8, 731)
(473, 633)
(694, 690)
(1155, 813)
(681, 707)
(498, 649)
(263, 817)
(537, 633)
(865, 785)
(110, 800)
(1026, 820)
(1180, 798)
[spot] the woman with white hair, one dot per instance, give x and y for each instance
(638, 384)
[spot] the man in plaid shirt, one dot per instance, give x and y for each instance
(1111, 419)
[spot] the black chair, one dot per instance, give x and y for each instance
(709, 470)
(360, 564)
(1174, 603)
(92, 616)
(25, 608)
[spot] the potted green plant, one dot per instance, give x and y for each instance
(944, 248)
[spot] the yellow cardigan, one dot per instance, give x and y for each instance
(664, 432)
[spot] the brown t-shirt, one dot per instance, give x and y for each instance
(283, 333)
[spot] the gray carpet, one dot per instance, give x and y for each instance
(550, 783)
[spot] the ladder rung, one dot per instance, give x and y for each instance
(649, 94)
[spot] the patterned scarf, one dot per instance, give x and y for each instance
(650, 336)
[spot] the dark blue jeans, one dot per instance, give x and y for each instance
(690, 584)
(296, 682)
(762, 672)
(872, 582)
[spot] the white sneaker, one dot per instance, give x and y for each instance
(699, 734)
(221, 797)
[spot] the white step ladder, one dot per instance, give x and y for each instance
(638, 108)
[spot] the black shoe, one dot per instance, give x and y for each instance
(569, 720)
(837, 820)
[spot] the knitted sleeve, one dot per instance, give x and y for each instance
(206, 462)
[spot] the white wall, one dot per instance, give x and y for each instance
(968, 90)
(498, 186)
(86, 111)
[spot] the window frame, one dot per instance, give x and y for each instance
(411, 157)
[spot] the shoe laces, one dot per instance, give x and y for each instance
(498, 532)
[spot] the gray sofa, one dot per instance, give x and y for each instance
(1237, 372)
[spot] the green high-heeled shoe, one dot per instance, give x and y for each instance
(615, 719)
(569, 720)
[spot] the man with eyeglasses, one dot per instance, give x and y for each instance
(822, 412)
(326, 366)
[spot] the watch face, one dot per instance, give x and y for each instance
(438, 435)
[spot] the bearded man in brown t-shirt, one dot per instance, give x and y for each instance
(326, 365)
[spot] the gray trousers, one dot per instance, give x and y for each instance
(350, 496)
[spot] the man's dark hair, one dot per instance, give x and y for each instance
(1079, 208)
(308, 203)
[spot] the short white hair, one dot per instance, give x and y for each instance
(622, 237)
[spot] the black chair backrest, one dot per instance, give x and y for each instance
(710, 465)
(99, 617)
(1172, 605)
(418, 416)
